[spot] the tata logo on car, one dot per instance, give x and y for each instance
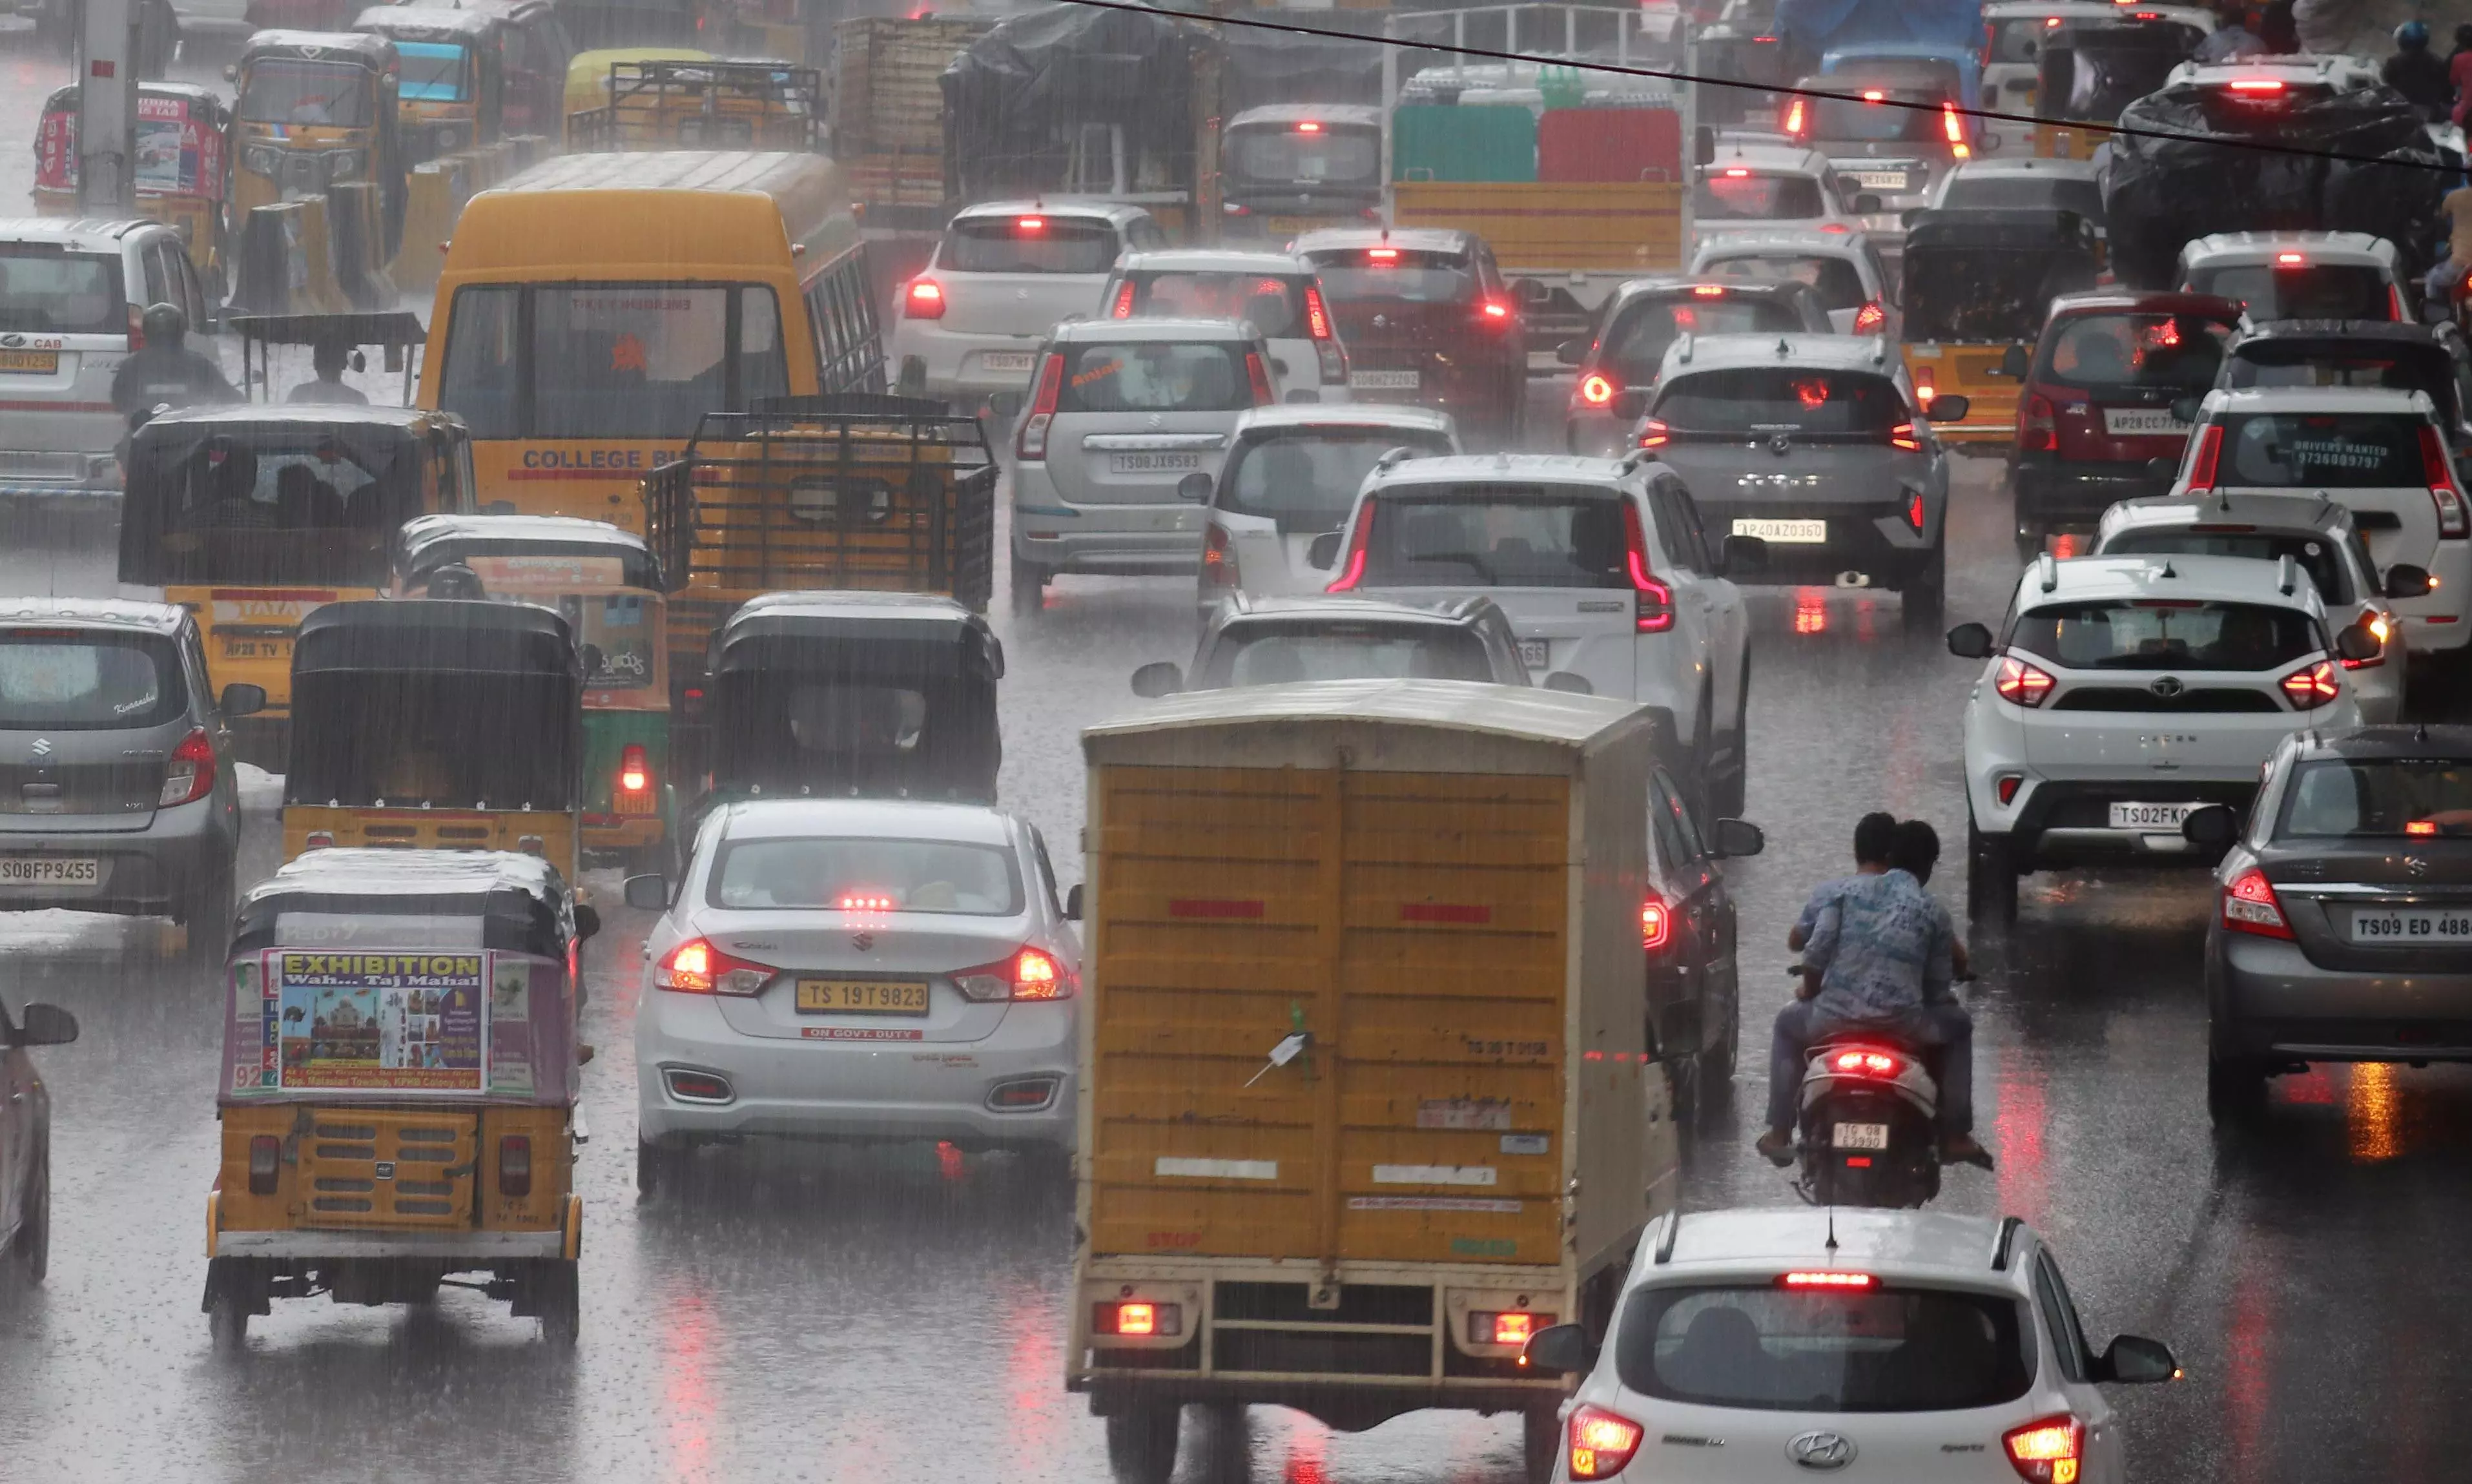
(1822, 1450)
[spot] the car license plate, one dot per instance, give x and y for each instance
(1861, 1135)
(1879, 179)
(1008, 360)
(2131, 422)
(50, 870)
(1384, 380)
(2412, 925)
(1153, 462)
(2151, 816)
(258, 649)
(32, 363)
(863, 996)
(1536, 654)
(1791, 533)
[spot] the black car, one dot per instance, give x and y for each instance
(117, 770)
(1427, 319)
(2343, 929)
(1686, 927)
(1617, 367)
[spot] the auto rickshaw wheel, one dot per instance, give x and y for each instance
(230, 1300)
(558, 1296)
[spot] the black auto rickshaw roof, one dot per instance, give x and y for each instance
(422, 20)
(373, 51)
(780, 629)
(437, 634)
(2384, 334)
(520, 900)
(1976, 228)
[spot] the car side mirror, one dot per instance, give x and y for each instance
(1568, 683)
(1073, 902)
(1193, 486)
(1159, 677)
(1866, 204)
(2135, 1360)
(1631, 403)
(243, 699)
(1324, 553)
(1949, 407)
(2017, 364)
(1734, 839)
(2212, 827)
(2355, 642)
(1970, 641)
(44, 1025)
(2185, 409)
(649, 893)
(1572, 353)
(2405, 581)
(1703, 145)
(587, 922)
(1741, 554)
(1563, 1347)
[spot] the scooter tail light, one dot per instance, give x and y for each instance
(2251, 906)
(1865, 1061)
(1032, 441)
(1652, 601)
(1351, 571)
(1601, 1443)
(2047, 1451)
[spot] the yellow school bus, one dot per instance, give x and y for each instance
(594, 308)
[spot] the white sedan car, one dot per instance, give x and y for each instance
(857, 970)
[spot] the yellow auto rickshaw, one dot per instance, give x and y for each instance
(184, 167)
(587, 77)
(450, 83)
(719, 104)
(398, 1086)
(1978, 283)
(316, 108)
(445, 724)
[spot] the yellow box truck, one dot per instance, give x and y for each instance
(1367, 1092)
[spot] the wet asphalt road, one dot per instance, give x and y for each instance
(894, 1314)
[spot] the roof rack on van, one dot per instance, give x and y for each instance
(1673, 1228)
(1685, 348)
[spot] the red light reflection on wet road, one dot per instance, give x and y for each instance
(688, 1404)
(1810, 610)
(2024, 1172)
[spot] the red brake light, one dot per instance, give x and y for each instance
(1259, 375)
(1032, 441)
(1652, 601)
(2210, 453)
(1792, 126)
(1381, 254)
(1955, 127)
(1494, 311)
(2251, 906)
(1218, 558)
(1857, 1062)
(1708, 290)
(634, 769)
(925, 300)
(2257, 87)
(2311, 686)
(1029, 973)
(2289, 260)
(1655, 922)
(1352, 572)
(1309, 127)
(1654, 434)
(1827, 1278)
(1902, 436)
(1601, 1443)
(516, 1165)
(1317, 315)
(2048, 1451)
(1030, 225)
(1737, 173)
(189, 774)
(1869, 319)
(2422, 828)
(137, 328)
(2038, 428)
(2006, 786)
(2442, 489)
(1914, 512)
(1874, 95)
(2020, 683)
(1596, 388)
(865, 901)
(1123, 307)
(1137, 1319)
(696, 966)
(265, 1163)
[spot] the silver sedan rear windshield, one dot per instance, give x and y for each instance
(1773, 1348)
(861, 874)
(2168, 635)
(2378, 797)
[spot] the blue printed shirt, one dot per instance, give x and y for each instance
(1884, 949)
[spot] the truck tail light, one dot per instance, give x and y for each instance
(696, 966)
(1794, 118)
(925, 300)
(1655, 922)
(2021, 684)
(1218, 558)
(1137, 1319)
(1506, 1329)
(1030, 973)
(634, 769)
(1652, 601)
(2038, 427)
(2311, 686)
(2251, 906)
(516, 1165)
(190, 772)
(1032, 443)
(1954, 126)
(265, 1163)
(1351, 571)
(2210, 456)
(2050, 1450)
(1123, 307)
(1601, 1443)
(2442, 489)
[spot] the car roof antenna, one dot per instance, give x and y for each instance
(1831, 1228)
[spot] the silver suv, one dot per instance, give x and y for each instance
(117, 770)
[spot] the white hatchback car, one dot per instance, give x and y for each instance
(849, 969)
(2382, 453)
(1867, 1345)
(2123, 694)
(1279, 293)
(968, 328)
(2300, 276)
(1126, 426)
(1843, 268)
(1753, 186)
(1291, 476)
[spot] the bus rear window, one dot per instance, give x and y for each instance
(1028, 244)
(609, 360)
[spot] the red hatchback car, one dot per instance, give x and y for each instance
(2095, 423)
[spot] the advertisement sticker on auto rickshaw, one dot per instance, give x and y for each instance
(406, 1021)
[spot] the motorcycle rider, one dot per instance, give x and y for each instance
(2416, 72)
(1879, 956)
(165, 371)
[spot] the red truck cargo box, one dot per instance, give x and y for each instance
(1577, 145)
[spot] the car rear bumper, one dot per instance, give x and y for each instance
(955, 359)
(1118, 540)
(2270, 1000)
(2064, 823)
(1869, 537)
(2052, 495)
(144, 873)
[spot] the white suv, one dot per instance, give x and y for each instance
(2379, 452)
(2123, 693)
(968, 328)
(2300, 276)
(1756, 186)
(1787, 1343)
(1603, 567)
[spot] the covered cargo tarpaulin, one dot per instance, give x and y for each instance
(1811, 27)
(2159, 193)
(1019, 98)
(1264, 67)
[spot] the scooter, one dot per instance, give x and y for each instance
(1868, 1130)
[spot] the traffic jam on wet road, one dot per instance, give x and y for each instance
(1714, 741)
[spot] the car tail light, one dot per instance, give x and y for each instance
(1925, 389)
(265, 1163)
(1707, 291)
(1653, 434)
(2395, 304)
(2038, 428)
(1652, 601)
(1236, 208)
(2442, 489)
(1794, 118)
(634, 769)
(2210, 455)
(1136, 1319)
(1218, 558)
(1027, 974)
(2257, 87)
(1506, 1329)
(1870, 319)
(1352, 570)
(190, 772)
(1317, 313)
(1655, 922)
(2020, 683)
(1032, 441)
(1596, 388)
(1601, 1443)
(137, 328)
(925, 300)
(1902, 436)
(2251, 906)
(1259, 375)
(696, 966)
(2050, 1450)
(1862, 1062)
(516, 1165)
(1493, 311)
(1123, 308)
(2007, 785)
(1954, 126)
(1826, 1278)
(1387, 257)
(1029, 225)
(2311, 686)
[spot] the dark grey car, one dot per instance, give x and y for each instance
(116, 772)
